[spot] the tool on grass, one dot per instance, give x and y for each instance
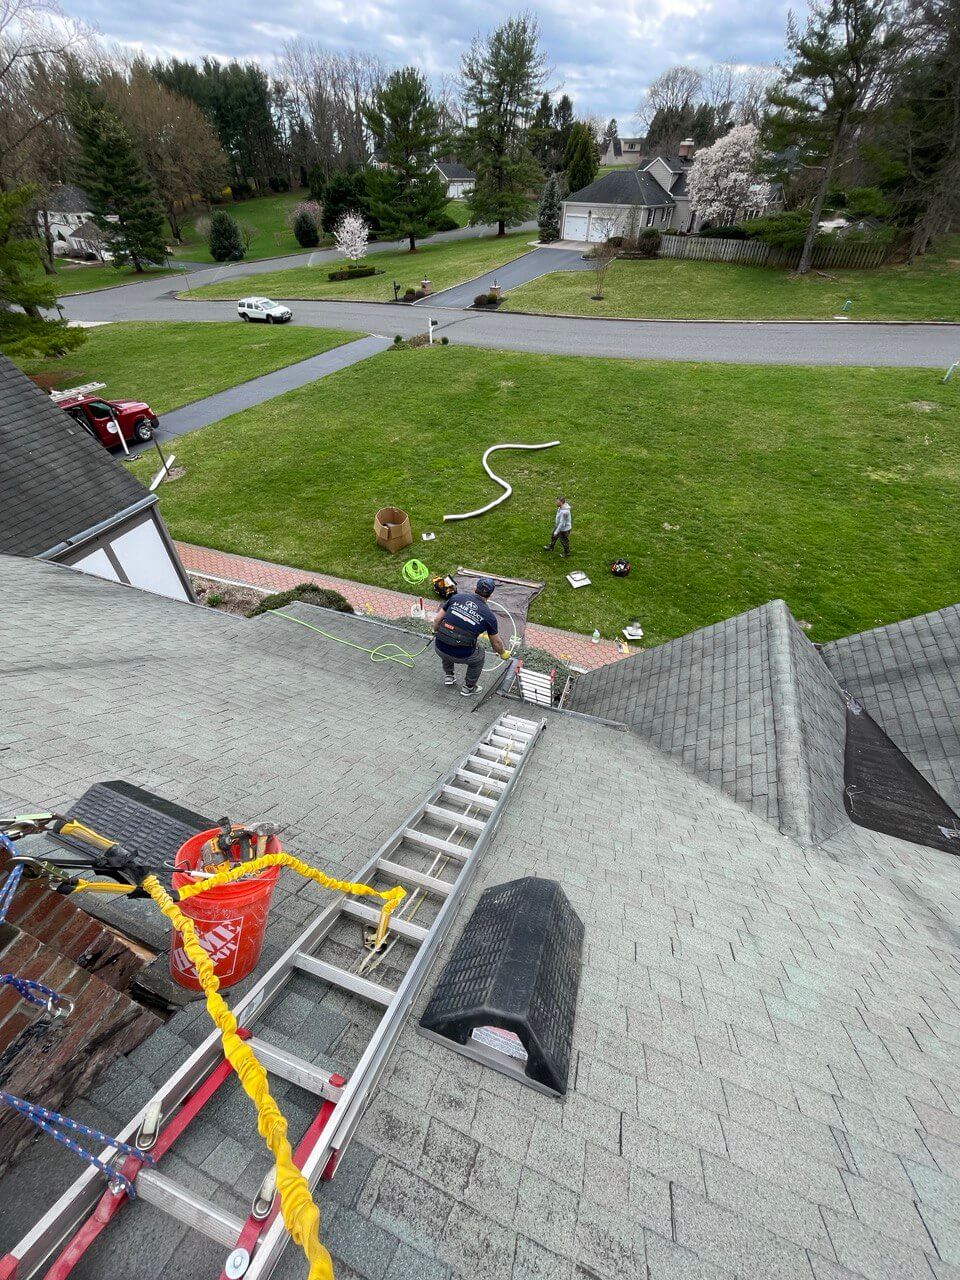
(465, 807)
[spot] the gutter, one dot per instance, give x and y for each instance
(94, 531)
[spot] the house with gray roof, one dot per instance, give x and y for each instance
(651, 194)
(765, 1078)
(459, 179)
(63, 498)
(65, 218)
(621, 151)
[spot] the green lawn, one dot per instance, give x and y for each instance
(84, 277)
(457, 209)
(672, 288)
(445, 263)
(172, 364)
(725, 485)
(266, 214)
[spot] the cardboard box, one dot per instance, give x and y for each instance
(392, 527)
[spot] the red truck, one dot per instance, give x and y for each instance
(107, 420)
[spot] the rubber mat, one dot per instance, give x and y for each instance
(885, 792)
(512, 594)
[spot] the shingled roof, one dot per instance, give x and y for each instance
(623, 186)
(454, 171)
(908, 676)
(748, 706)
(765, 1082)
(56, 481)
(67, 198)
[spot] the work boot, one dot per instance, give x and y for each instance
(449, 681)
(467, 692)
(548, 548)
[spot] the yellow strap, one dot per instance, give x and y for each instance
(391, 897)
(102, 886)
(300, 1214)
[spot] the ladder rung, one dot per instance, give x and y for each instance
(518, 722)
(436, 844)
(341, 978)
(455, 819)
(394, 871)
(490, 764)
(468, 797)
(297, 1070)
(370, 915)
(515, 744)
(179, 1203)
(511, 731)
(494, 755)
(481, 778)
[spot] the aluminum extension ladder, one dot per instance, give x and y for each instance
(466, 805)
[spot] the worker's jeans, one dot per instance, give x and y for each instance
(564, 536)
(474, 665)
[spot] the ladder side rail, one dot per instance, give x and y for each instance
(364, 1078)
(40, 1246)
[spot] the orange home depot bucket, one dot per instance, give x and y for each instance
(230, 920)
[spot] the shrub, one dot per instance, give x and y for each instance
(214, 599)
(481, 300)
(309, 593)
(306, 231)
(241, 190)
(723, 233)
(316, 184)
(446, 223)
(410, 295)
(785, 230)
(648, 242)
(351, 273)
(279, 183)
(225, 242)
(615, 242)
(444, 340)
(397, 339)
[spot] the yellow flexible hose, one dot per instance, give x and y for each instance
(300, 1214)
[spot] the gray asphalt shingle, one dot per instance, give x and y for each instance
(765, 1078)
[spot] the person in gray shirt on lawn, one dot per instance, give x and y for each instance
(562, 528)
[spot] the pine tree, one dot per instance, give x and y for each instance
(226, 242)
(563, 125)
(305, 230)
(345, 192)
(838, 63)
(541, 132)
(25, 292)
(610, 132)
(122, 198)
(503, 78)
(407, 197)
(548, 210)
(580, 158)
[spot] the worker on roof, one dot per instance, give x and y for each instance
(462, 620)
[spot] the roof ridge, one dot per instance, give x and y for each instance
(794, 783)
(803, 813)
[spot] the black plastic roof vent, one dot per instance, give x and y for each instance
(508, 994)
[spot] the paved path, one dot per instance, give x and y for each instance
(247, 394)
(569, 646)
(835, 342)
(530, 266)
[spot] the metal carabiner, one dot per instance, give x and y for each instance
(59, 1006)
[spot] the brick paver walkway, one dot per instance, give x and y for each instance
(571, 647)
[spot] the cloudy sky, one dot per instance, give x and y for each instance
(602, 53)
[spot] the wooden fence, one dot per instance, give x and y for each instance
(754, 253)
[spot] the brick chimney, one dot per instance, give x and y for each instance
(686, 149)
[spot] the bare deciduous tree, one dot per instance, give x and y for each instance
(603, 252)
(674, 90)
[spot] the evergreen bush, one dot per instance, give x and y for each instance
(226, 242)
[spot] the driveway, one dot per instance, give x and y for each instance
(249, 394)
(538, 262)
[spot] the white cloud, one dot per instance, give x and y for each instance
(602, 54)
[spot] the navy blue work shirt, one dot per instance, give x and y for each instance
(466, 617)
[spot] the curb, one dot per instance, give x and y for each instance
(848, 324)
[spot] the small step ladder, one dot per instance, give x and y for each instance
(463, 810)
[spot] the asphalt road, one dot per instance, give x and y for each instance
(837, 342)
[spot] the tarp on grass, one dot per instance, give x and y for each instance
(512, 594)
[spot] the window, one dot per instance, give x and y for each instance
(650, 213)
(663, 214)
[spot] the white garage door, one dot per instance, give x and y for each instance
(601, 227)
(575, 226)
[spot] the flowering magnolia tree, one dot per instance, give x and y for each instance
(350, 236)
(723, 182)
